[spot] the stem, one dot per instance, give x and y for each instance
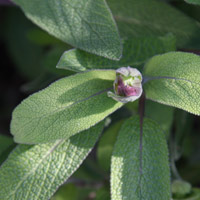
(172, 159)
(142, 107)
(141, 113)
(84, 183)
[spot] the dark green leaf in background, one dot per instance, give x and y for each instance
(6, 146)
(195, 195)
(50, 60)
(68, 191)
(162, 114)
(85, 24)
(103, 194)
(106, 143)
(154, 17)
(5, 142)
(140, 175)
(197, 2)
(191, 10)
(36, 171)
(40, 37)
(135, 51)
(25, 54)
(66, 107)
(174, 79)
(181, 188)
(50, 73)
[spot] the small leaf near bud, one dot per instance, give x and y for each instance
(127, 85)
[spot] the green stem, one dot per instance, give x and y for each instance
(172, 145)
(141, 113)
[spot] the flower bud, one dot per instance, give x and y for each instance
(127, 85)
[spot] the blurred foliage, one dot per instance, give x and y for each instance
(106, 143)
(6, 145)
(181, 188)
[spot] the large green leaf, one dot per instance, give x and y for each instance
(197, 2)
(136, 51)
(154, 17)
(85, 24)
(66, 107)
(140, 173)
(36, 171)
(174, 79)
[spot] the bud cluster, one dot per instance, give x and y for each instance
(127, 85)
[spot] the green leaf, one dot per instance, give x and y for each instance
(140, 174)
(6, 146)
(103, 194)
(25, 54)
(197, 2)
(154, 17)
(136, 51)
(40, 37)
(160, 113)
(66, 107)
(85, 24)
(50, 74)
(5, 142)
(181, 188)
(133, 107)
(89, 172)
(174, 79)
(106, 143)
(35, 171)
(51, 58)
(195, 195)
(69, 191)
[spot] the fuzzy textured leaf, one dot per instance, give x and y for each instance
(154, 17)
(174, 79)
(85, 24)
(135, 52)
(66, 107)
(36, 171)
(140, 175)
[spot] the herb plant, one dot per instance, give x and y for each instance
(127, 74)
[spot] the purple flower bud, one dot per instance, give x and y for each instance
(127, 85)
